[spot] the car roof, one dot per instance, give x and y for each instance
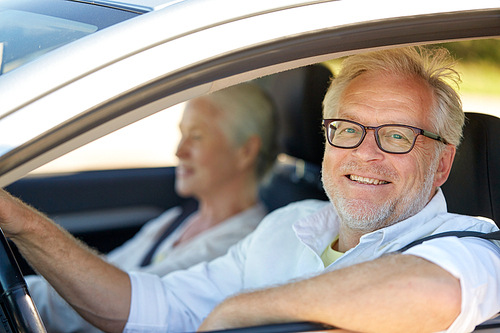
(148, 63)
(138, 5)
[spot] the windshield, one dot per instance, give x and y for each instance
(28, 29)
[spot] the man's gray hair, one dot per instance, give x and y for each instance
(249, 110)
(434, 66)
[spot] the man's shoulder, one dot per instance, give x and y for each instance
(466, 222)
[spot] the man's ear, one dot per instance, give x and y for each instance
(249, 151)
(444, 165)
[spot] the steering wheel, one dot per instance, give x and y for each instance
(18, 312)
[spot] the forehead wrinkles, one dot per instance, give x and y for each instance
(387, 92)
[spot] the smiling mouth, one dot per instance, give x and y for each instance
(367, 181)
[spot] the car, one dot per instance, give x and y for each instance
(74, 71)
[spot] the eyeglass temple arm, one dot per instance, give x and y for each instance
(433, 136)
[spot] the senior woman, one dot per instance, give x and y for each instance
(227, 146)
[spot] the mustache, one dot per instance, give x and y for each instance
(354, 167)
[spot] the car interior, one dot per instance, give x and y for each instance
(105, 208)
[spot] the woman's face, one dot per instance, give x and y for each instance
(207, 160)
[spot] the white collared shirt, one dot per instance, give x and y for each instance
(288, 244)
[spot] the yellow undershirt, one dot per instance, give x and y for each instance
(330, 255)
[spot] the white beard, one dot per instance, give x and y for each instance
(363, 216)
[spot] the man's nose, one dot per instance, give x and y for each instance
(368, 149)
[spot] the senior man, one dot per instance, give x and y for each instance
(392, 127)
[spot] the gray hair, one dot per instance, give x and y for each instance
(434, 66)
(249, 111)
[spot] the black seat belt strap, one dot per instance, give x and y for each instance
(189, 207)
(490, 236)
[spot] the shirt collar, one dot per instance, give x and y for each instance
(318, 229)
(412, 228)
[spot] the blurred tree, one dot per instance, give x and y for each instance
(487, 50)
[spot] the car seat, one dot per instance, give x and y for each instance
(298, 95)
(473, 187)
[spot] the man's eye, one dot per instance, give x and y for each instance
(397, 136)
(348, 130)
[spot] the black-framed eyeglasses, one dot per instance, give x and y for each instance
(390, 138)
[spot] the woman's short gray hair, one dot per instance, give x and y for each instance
(434, 65)
(249, 111)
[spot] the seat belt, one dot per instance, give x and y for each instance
(489, 236)
(495, 235)
(189, 207)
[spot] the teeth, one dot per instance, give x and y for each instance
(369, 181)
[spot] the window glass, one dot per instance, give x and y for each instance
(31, 28)
(39, 33)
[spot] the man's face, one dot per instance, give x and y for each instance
(207, 160)
(372, 189)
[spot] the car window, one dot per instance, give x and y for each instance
(29, 29)
(41, 33)
(478, 66)
(150, 142)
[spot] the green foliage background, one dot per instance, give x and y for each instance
(486, 50)
(479, 65)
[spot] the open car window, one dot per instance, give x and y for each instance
(152, 141)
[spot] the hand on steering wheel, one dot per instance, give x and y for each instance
(18, 312)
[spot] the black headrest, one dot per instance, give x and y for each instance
(298, 94)
(473, 187)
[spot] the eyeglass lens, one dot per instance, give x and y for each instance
(391, 138)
